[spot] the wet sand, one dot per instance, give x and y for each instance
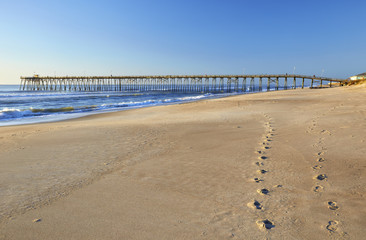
(278, 165)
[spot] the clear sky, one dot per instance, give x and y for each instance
(139, 37)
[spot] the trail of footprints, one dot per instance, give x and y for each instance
(265, 145)
(333, 225)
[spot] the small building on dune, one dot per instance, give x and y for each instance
(361, 76)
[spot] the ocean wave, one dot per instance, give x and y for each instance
(45, 109)
(10, 113)
(154, 102)
(196, 97)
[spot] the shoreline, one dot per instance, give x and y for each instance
(35, 119)
(135, 105)
(187, 170)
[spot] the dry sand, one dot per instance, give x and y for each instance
(188, 171)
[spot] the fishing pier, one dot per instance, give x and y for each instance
(176, 83)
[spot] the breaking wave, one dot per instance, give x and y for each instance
(45, 106)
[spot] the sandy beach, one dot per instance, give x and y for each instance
(277, 165)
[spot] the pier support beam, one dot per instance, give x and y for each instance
(252, 87)
(221, 87)
(236, 84)
(260, 84)
(214, 87)
(228, 84)
(244, 84)
(285, 84)
(207, 84)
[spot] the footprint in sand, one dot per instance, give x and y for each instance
(263, 191)
(266, 147)
(325, 132)
(262, 171)
(332, 226)
(265, 224)
(258, 180)
(321, 159)
(255, 204)
(332, 205)
(263, 157)
(318, 188)
(317, 167)
(320, 153)
(321, 177)
(259, 164)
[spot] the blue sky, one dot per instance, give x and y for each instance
(181, 37)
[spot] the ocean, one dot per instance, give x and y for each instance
(24, 107)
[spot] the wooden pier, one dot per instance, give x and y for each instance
(176, 83)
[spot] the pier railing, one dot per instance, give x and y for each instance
(176, 83)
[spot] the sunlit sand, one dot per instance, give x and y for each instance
(277, 165)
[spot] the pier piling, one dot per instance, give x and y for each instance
(285, 84)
